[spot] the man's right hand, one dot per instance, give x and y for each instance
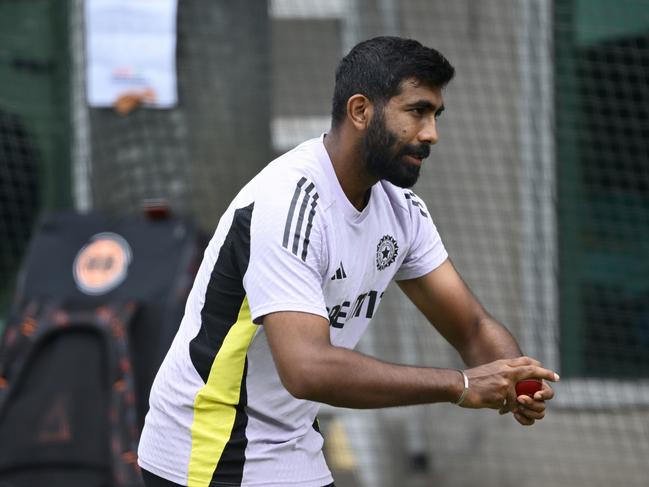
(492, 385)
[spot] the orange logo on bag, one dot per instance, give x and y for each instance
(102, 264)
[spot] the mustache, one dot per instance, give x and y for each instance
(419, 151)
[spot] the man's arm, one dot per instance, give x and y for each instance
(310, 367)
(448, 304)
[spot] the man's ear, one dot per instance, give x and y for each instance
(359, 111)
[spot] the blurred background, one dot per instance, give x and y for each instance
(539, 187)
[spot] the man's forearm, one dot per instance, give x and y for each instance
(491, 341)
(346, 378)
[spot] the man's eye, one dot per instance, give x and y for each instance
(418, 111)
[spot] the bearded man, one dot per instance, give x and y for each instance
(292, 277)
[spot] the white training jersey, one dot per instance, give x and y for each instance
(290, 241)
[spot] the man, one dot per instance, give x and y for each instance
(291, 279)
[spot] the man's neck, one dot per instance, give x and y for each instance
(346, 159)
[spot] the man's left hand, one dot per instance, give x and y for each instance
(528, 410)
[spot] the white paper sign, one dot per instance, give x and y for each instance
(131, 50)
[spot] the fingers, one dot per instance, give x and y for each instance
(536, 372)
(545, 394)
(493, 385)
(520, 361)
(529, 403)
(527, 410)
(509, 403)
(531, 368)
(524, 420)
(530, 410)
(528, 414)
(529, 407)
(536, 411)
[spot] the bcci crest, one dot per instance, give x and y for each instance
(386, 252)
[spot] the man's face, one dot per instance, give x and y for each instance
(400, 134)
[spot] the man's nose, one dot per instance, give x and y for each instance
(429, 133)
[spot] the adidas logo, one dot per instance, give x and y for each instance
(340, 273)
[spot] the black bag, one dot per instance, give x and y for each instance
(97, 305)
(67, 402)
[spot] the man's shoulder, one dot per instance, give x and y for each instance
(306, 152)
(298, 170)
(404, 199)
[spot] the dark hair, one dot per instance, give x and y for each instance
(376, 68)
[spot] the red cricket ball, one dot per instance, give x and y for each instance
(527, 387)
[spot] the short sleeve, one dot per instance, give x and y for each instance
(426, 251)
(286, 245)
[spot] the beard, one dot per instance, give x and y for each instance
(383, 157)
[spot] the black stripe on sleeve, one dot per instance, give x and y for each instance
(414, 200)
(301, 232)
(305, 245)
(291, 211)
(300, 219)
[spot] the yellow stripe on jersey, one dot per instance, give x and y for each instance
(214, 405)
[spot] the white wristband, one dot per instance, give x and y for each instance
(466, 388)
